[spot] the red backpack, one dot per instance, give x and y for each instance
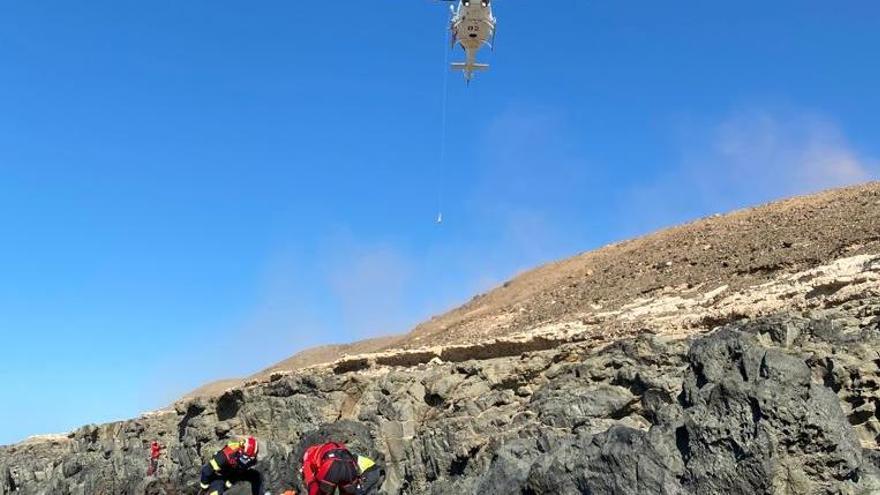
(330, 469)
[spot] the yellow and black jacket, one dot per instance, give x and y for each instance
(225, 468)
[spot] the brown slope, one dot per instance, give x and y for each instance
(213, 389)
(740, 249)
(302, 359)
(327, 354)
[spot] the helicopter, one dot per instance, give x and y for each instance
(472, 26)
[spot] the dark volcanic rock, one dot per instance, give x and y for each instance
(619, 460)
(755, 422)
(779, 405)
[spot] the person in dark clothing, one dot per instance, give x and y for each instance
(331, 469)
(231, 465)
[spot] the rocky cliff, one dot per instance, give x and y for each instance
(764, 382)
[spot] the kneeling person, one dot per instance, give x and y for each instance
(331, 469)
(233, 464)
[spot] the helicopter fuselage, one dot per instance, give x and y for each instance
(472, 26)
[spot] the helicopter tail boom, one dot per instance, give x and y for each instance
(469, 67)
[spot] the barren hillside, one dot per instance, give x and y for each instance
(737, 250)
(740, 249)
(304, 359)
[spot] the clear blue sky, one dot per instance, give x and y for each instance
(194, 190)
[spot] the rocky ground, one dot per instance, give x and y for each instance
(709, 382)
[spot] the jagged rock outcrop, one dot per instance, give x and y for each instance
(782, 404)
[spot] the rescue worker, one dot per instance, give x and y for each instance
(331, 469)
(155, 454)
(233, 464)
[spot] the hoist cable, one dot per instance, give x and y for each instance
(441, 165)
